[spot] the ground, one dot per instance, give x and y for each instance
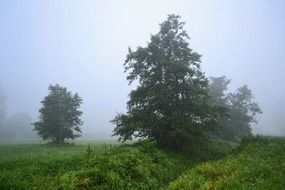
(258, 163)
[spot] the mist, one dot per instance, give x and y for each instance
(83, 46)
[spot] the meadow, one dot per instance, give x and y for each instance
(35, 164)
(257, 163)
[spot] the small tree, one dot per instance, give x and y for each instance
(60, 115)
(171, 102)
(242, 110)
(217, 90)
(2, 112)
(2, 107)
(217, 87)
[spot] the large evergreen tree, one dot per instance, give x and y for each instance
(60, 115)
(171, 102)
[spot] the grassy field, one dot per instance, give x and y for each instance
(94, 164)
(87, 165)
(33, 164)
(34, 148)
(256, 164)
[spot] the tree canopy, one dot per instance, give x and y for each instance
(242, 109)
(217, 88)
(171, 102)
(60, 115)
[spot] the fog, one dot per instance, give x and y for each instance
(82, 45)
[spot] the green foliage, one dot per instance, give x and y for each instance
(242, 110)
(217, 88)
(65, 166)
(256, 164)
(171, 102)
(259, 165)
(210, 149)
(127, 167)
(36, 166)
(60, 115)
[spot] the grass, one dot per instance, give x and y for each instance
(95, 164)
(36, 165)
(138, 166)
(87, 165)
(258, 164)
(34, 148)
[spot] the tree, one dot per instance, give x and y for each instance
(2, 105)
(2, 108)
(171, 102)
(242, 110)
(217, 87)
(60, 115)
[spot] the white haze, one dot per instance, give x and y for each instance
(82, 45)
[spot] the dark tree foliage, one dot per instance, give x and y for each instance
(217, 87)
(242, 110)
(171, 102)
(60, 115)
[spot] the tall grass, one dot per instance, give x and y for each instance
(258, 164)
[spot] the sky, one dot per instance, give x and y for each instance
(83, 44)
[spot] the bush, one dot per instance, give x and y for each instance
(140, 166)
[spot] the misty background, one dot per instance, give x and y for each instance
(82, 45)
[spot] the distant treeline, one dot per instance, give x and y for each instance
(17, 126)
